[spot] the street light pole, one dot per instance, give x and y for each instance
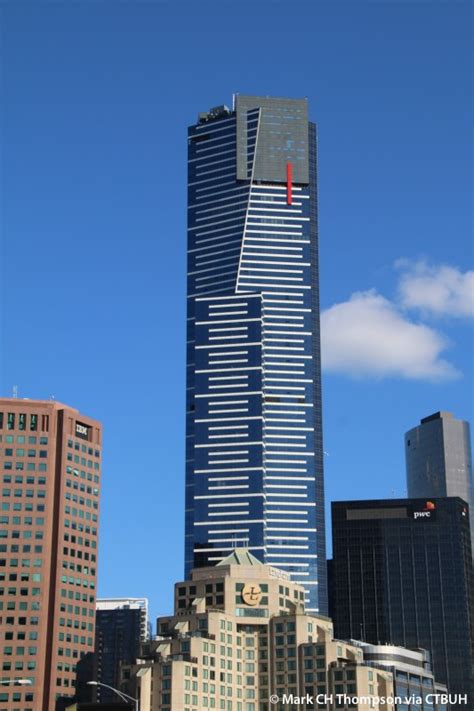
(121, 694)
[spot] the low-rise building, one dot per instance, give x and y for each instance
(413, 680)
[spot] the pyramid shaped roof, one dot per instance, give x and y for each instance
(240, 556)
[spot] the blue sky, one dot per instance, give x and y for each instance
(97, 97)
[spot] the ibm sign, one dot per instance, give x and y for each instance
(82, 430)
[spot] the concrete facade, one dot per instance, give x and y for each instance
(240, 635)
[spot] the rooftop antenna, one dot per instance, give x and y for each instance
(15, 391)
(51, 397)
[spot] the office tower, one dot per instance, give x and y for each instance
(240, 634)
(50, 469)
(402, 574)
(254, 475)
(438, 460)
(121, 625)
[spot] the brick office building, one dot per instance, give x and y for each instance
(50, 458)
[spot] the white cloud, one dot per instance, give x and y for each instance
(438, 290)
(368, 336)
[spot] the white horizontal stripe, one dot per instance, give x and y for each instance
(274, 277)
(210, 180)
(213, 276)
(267, 210)
(285, 486)
(276, 263)
(274, 286)
(206, 160)
(211, 189)
(280, 309)
(220, 444)
(229, 478)
(227, 298)
(230, 496)
(227, 377)
(231, 165)
(291, 478)
(221, 362)
(237, 345)
(296, 555)
(282, 496)
(289, 355)
(229, 461)
(229, 419)
(231, 486)
(230, 427)
(274, 271)
(235, 305)
(230, 469)
(287, 520)
(216, 222)
(245, 521)
(219, 215)
(209, 269)
(214, 322)
(204, 395)
(214, 127)
(271, 248)
(287, 380)
(283, 220)
(200, 257)
(286, 469)
(273, 332)
(229, 370)
(228, 385)
(302, 529)
(227, 530)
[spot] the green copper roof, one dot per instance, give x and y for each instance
(240, 556)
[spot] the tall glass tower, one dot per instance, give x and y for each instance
(254, 464)
(439, 461)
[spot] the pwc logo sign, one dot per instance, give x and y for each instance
(428, 511)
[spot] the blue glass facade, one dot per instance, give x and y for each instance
(254, 471)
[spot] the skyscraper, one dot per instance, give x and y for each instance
(121, 625)
(402, 574)
(254, 466)
(50, 469)
(438, 460)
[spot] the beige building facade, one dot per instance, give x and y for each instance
(240, 640)
(50, 459)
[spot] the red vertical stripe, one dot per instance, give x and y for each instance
(289, 176)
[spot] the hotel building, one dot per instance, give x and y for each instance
(239, 636)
